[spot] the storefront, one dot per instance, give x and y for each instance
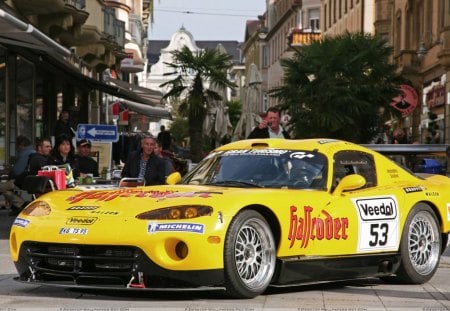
(39, 78)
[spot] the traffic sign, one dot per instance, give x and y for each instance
(98, 132)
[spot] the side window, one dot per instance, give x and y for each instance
(354, 162)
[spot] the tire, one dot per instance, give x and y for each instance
(420, 247)
(249, 255)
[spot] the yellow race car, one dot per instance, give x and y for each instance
(252, 214)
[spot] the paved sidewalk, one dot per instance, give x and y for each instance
(361, 295)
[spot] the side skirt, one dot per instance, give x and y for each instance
(293, 271)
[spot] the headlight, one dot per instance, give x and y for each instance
(37, 208)
(178, 212)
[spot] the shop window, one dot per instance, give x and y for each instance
(24, 97)
(2, 108)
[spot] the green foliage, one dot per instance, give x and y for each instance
(234, 111)
(335, 87)
(193, 71)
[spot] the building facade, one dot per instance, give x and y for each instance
(53, 54)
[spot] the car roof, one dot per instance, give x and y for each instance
(324, 145)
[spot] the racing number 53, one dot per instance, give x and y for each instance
(379, 233)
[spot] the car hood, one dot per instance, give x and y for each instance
(132, 201)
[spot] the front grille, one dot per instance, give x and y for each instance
(81, 263)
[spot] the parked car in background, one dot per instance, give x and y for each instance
(251, 214)
(419, 158)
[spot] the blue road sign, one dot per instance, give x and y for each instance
(98, 132)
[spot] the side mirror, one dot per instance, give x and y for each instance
(350, 182)
(173, 178)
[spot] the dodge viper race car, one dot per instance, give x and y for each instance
(252, 214)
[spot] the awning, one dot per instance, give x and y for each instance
(153, 97)
(16, 32)
(152, 112)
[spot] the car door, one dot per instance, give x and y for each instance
(364, 220)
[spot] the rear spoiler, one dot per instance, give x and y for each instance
(410, 149)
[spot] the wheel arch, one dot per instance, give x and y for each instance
(438, 215)
(271, 219)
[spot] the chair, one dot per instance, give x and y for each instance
(37, 185)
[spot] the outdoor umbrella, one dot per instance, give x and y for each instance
(252, 104)
(217, 121)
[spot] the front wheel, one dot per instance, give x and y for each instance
(420, 246)
(249, 255)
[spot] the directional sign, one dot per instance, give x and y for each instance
(98, 132)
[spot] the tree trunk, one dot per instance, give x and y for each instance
(196, 138)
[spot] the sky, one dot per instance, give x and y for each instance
(206, 20)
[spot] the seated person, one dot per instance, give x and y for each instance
(145, 164)
(63, 152)
(36, 160)
(83, 163)
(168, 164)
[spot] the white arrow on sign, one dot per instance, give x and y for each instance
(93, 131)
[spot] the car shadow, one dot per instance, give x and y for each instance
(6, 222)
(358, 287)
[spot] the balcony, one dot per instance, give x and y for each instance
(298, 37)
(59, 19)
(102, 37)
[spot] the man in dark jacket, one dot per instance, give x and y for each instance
(145, 164)
(83, 163)
(270, 126)
(63, 126)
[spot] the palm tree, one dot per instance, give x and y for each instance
(194, 72)
(337, 87)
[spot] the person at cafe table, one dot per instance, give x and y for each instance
(145, 164)
(84, 164)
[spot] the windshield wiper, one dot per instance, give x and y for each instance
(232, 183)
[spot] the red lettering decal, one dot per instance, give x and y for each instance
(328, 225)
(319, 229)
(337, 228)
(315, 228)
(306, 232)
(292, 226)
(344, 222)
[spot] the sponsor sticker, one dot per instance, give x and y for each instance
(81, 220)
(175, 227)
(377, 208)
(82, 208)
(20, 222)
(77, 231)
(378, 224)
(413, 189)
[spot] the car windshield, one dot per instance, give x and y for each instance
(267, 168)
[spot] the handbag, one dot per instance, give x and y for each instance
(56, 174)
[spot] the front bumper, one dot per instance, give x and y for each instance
(104, 266)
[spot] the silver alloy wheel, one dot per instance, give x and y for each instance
(254, 254)
(423, 243)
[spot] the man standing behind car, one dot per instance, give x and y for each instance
(145, 164)
(270, 126)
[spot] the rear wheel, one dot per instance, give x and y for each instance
(249, 255)
(420, 246)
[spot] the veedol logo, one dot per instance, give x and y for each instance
(377, 208)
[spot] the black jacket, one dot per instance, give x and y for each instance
(85, 165)
(264, 133)
(154, 170)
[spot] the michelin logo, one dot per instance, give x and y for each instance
(175, 227)
(377, 208)
(20, 222)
